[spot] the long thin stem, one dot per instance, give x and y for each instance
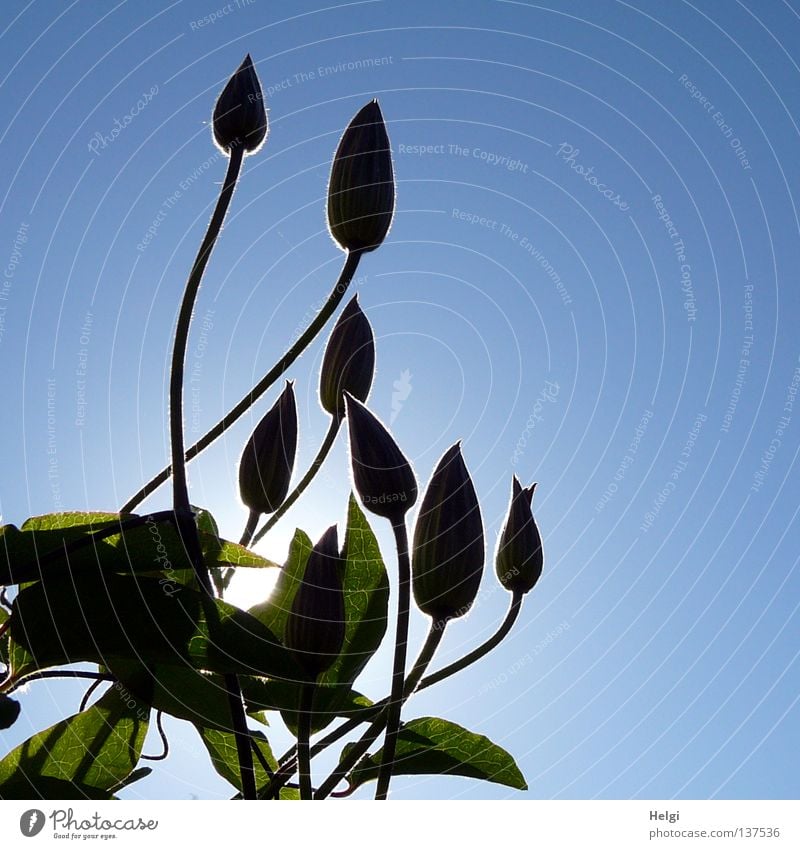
(288, 759)
(250, 528)
(59, 673)
(316, 464)
(305, 339)
(303, 735)
(400, 647)
(164, 753)
(184, 518)
(344, 766)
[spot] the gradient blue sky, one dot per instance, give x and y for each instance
(635, 352)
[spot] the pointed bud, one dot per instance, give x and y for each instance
(265, 469)
(448, 549)
(361, 188)
(382, 476)
(349, 361)
(519, 557)
(239, 114)
(315, 627)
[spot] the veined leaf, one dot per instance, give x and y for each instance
(84, 756)
(430, 746)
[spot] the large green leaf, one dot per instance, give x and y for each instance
(108, 619)
(366, 602)
(153, 547)
(84, 756)
(430, 746)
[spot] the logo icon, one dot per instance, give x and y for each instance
(31, 822)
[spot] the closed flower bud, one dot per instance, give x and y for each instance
(361, 189)
(239, 114)
(349, 361)
(265, 469)
(382, 476)
(519, 558)
(315, 627)
(448, 548)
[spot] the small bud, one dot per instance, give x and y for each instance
(315, 627)
(9, 711)
(382, 476)
(265, 469)
(349, 361)
(519, 558)
(448, 549)
(239, 114)
(361, 188)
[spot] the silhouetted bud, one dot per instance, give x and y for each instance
(315, 627)
(382, 476)
(349, 361)
(448, 549)
(361, 189)
(239, 114)
(265, 469)
(519, 552)
(9, 711)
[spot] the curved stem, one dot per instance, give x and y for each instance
(59, 673)
(241, 736)
(316, 464)
(164, 741)
(88, 694)
(250, 528)
(287, 760)
(350, 265)
(400, 647)
(344, 766)
(303, 735)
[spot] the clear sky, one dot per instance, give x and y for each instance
(591, 280)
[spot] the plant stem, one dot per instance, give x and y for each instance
(250, 528)
(58, 673)
(400, 647)
(184, 518)
(287, 760)
(350, 265)
(303, 735)
(316, 464)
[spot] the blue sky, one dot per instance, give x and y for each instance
(591, 280)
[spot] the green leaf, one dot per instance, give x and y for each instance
(154, 547)
(108, 619)
(430, 746)
(366, 602)
(221, 746)
(4, 639)
(85, 755)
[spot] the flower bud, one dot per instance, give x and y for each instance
(315, 627)
(9, 711)
(448, 548)
(265, 469)
(239, 114)
(349, 361)
(519, 557)
(382, 476)
(361, 188)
